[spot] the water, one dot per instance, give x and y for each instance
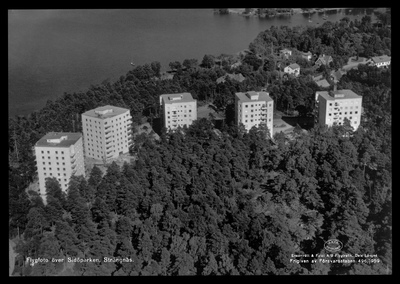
(57, 51)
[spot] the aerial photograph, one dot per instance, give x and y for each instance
(197, 142)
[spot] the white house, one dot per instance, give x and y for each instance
(380, 61)
(293, 69)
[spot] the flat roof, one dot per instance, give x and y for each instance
(60, 139)
(262, 96)
(348, 94)
(105, 111)
(177, 98)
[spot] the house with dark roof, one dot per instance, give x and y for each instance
(317, 77)
(323, 83)
(293, 69)
(337, 75)
(237, 77)
(307, 55)
(323, 60)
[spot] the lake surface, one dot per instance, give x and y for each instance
(55, 51)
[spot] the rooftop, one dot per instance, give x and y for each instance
(294, 66)
(105, 111)
(325, 58)
(58, 139)
(323, 83)
(339, 95)
(252, 96)
(383, 58)
(176, 98)
(238, 77)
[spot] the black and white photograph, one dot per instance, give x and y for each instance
(199, 142)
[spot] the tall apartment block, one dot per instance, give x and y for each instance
(107, 132)
(334, 106)
(253, 108)
(59, 155)
(178, 110)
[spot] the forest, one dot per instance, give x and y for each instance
(202, 202)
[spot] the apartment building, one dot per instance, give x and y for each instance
(177, 110)
(59, 155)
(334, 106)
(107, 132)
(253, 108)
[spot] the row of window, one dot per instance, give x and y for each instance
(255, 120)
(184, 111)
(48, 152)
(51, 174)
(340, 113)
(43, 157)
(258, 105)
(269, 115)
(343, 104)
(44, 163)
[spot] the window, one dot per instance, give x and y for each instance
(56, 152)
(49, 163)
(49, 169)
(246, 106)
(48, 158)
(42, 152)
(330, 104)
(44, 163)
(330, 114)
(48, 152)
(355, 112)
(44, 169)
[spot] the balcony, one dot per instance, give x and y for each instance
(109, 151)
(73, 160)
(107, 126)
(108, 146)
(73, 166)
(72, 155)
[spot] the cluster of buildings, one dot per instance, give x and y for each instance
(106, 134)
(107, 130)
(294, 69)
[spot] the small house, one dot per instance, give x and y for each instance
(285, 53)
(293, 69)
(323, 60)
(307, 55)
(380, 61)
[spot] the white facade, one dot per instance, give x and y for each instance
(253, 108)
(333, 107)
(293, 69)
(381, 61)
(178, 110)
(59, 155)
(107, 132)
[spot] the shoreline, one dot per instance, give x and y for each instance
(241, 12)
